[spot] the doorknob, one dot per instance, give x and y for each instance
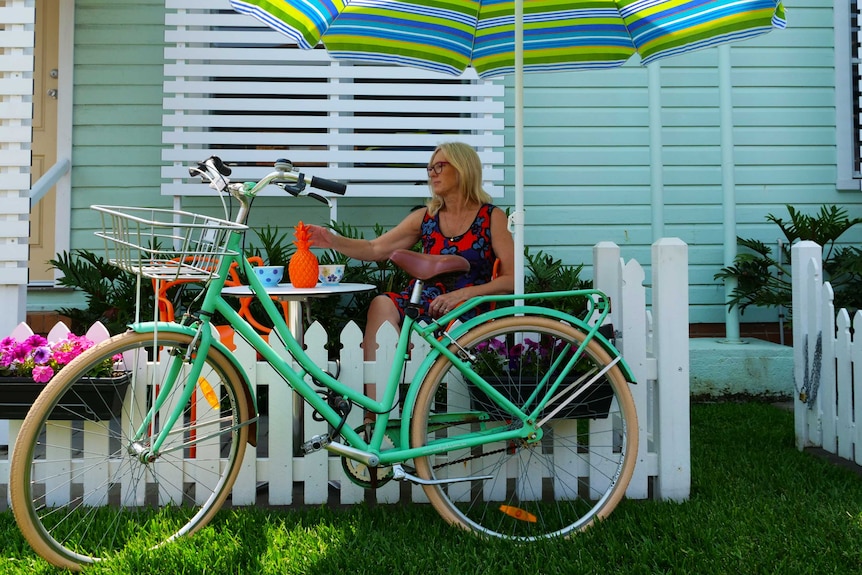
(52, 93)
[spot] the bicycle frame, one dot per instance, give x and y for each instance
(368, 450)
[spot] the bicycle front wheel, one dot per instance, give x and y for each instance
(84, 483)
(576, 468)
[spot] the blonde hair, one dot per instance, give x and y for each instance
(466, 162)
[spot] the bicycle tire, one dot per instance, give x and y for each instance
(574, 475)
(81, 491)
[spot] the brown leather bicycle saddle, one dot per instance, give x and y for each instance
(427, 266)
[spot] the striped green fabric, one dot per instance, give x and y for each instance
(450, 35)
(662, 28)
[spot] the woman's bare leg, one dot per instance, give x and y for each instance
(382, 309)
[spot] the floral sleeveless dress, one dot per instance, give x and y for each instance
(474, 245)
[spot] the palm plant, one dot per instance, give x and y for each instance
(335, 313)
(764, 278)
(275, 248)
(546, 273)
(111, 293)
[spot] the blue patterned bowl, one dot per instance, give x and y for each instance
(269, 275)
(330, 274)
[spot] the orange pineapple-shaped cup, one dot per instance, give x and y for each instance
(302, 269)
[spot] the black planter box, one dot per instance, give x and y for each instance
(594, 404)
(99, 398)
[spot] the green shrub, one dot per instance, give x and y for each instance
(547, 274)
(764, 279)
(334, 313)
(110, 292)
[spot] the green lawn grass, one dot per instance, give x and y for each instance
(757, 506)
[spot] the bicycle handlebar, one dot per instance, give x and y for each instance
(328, 185)
(215, 172)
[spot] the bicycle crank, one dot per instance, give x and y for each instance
(364, 471)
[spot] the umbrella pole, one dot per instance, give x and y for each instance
(517, 217)
(655, 151)
(728, 184)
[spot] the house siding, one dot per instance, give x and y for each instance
(587, 144)
(587, 152)
(117, 129)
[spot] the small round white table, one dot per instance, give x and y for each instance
(295, 296)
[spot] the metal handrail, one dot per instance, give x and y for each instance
(48, 180)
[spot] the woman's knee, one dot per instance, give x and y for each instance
(382, 309)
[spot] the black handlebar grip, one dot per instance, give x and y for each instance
(328, 185)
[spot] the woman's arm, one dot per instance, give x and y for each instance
(404, 235)
(504, 248)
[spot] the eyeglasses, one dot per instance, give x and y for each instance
(436, 168)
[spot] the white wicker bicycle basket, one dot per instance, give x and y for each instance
(164, 244)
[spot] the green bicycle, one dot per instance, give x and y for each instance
(518, 424)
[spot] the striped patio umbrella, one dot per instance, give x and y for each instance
(498, 37)
(450, 35)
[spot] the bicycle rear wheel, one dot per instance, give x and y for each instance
(82, 488)
(574, 474)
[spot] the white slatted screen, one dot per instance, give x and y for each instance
(17, 20)
(235, 89)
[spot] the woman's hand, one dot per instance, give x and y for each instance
(320, 237)
(444, 303)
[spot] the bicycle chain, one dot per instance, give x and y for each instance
(465, 459)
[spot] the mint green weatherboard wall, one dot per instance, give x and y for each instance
(587, 155)
(587, 143)
(117, 112)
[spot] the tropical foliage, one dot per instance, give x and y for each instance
(111, 293)
(763, 275)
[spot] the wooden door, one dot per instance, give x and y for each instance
(45, 95)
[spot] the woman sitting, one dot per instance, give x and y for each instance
(458, 219)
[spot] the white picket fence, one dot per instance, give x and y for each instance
(827, 361)
(663, 469)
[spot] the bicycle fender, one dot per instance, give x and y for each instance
(251, 397)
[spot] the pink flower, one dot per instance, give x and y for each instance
(42, 373)
(35, 357)
(68, 349)
(21, 353)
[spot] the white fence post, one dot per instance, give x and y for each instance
(623, 283)
(608, 277)
(856, 376)
(826, 392)
(843, 376)
(632, 340)
(670, 338)
(806, 263)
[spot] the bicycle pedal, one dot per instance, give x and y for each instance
(316, 443)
